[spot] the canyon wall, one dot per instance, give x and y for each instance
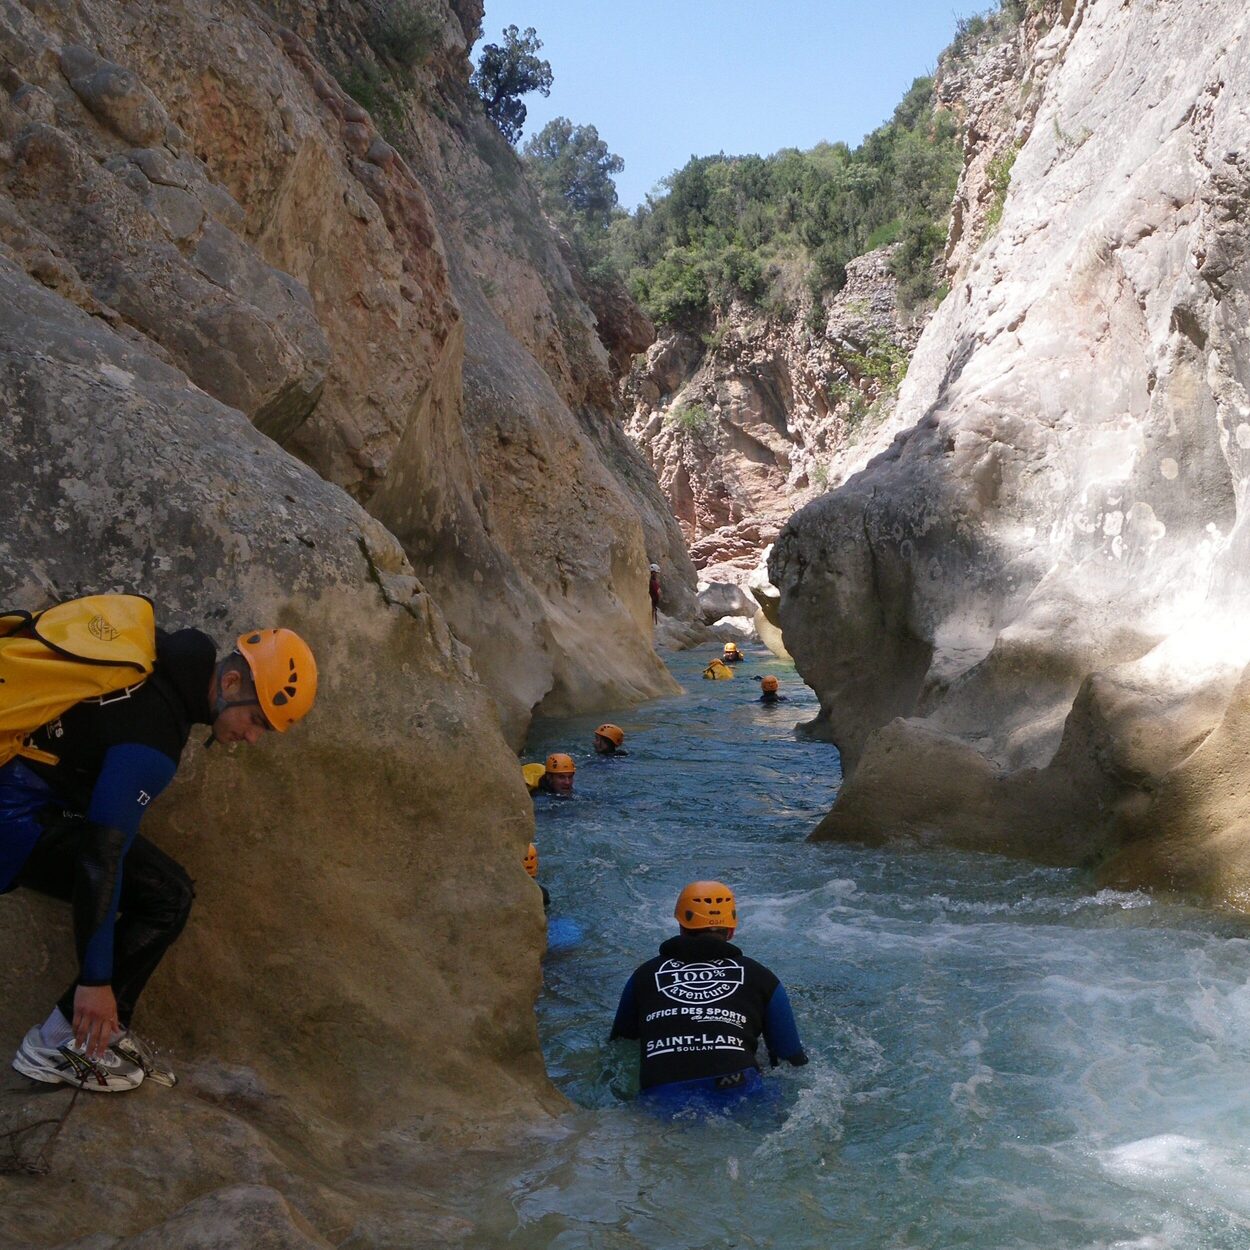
(1024, 618)
(750, 420)
(266, 364)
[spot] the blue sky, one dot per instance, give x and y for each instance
(664, 80)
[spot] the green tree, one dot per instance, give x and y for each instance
(573, 168)
(505, 72)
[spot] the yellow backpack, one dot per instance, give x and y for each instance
(717, 671)
(533, 774)
(83, 649)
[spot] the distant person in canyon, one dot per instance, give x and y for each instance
(531, 867)
(610, 740)
(653, 589)
(553, 777)
(698, 1009)
(71, 803)
(563, 932)
(769, 690)
(730, 653)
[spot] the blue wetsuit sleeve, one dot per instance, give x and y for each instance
(626, 1022)
(781, 1034)
(131, 776)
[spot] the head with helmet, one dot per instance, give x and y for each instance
(770, 685)
(531, 860)
(269, 681)
(608, 739)
(560, 769)
(655, 568)
(708, 909)
(731, 649)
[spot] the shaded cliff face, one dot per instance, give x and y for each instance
(1024, 619)
(403, 323)
(208, 250)
(341, 869)
(748, 422)
(499, 462)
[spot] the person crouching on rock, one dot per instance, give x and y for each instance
(553, 777)
(610, 740)
(699, 1008)
(70, 830)
(730, 653)
(769, 690)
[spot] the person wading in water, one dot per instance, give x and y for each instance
(699, 1008)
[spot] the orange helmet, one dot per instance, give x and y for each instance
(769, 684)
(613, 733)
(559, 763)
(531, 860)
(283, 672)
(706, 905)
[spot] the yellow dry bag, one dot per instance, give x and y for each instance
(533, 774)
(718, 671)
(83, 649)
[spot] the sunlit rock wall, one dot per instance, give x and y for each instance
(1025, 620)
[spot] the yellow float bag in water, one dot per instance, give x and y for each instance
(83, 649)
(533, 774)
(718, 671)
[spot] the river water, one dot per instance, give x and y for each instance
(1002, 1056)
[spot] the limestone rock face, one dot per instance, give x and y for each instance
(1024, 619)
(339, 875)
(197, 176)
(764, 414)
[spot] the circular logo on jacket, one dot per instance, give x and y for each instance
(699, 983)
(102, 629)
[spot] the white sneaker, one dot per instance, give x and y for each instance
(131, 1047)
(68, 1065)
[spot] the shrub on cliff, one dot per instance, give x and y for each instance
(505, 72)
(739, 221)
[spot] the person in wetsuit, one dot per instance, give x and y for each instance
(610, 740)
(730, 654)
(700, 1007)
(531, 868)
(653, 589)
(769, 690)
(70, 830)
(554, 777)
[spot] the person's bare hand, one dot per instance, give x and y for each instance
(95, 1018)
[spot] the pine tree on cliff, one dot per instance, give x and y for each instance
(505, 73)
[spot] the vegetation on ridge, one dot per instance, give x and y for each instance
(756, 229)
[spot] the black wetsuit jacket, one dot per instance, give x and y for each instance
(115, 756)
(698, 1010)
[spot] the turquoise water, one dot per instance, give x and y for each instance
(1001, 1055)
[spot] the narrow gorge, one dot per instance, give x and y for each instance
(290, 334)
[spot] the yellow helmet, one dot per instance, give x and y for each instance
(730, 648)
(560, 763)
(613, 733)
(283, 672)
(769, 684)
(531, 860)
(706, 905)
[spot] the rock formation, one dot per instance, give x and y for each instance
(1024, 620)
(764, 413)
(266, 364)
